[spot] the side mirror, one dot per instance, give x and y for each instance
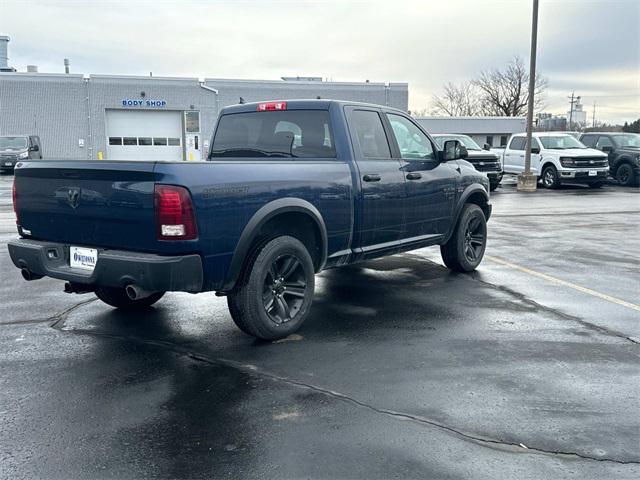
(607, 149)
(454, 150)
(34, 148)
(535, 150)
(486, 146)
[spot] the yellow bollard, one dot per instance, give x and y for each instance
(99, 155)
(191, 156)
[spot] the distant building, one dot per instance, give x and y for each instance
(123, 117)
(492, 130)
(547, 122)
(127, 117)
(577, 117)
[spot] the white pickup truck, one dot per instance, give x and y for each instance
(557, 157)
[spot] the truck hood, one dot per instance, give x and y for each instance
(629, 150)
(482, 155)
(577, 152)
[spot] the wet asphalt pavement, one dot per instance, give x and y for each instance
(528, 368)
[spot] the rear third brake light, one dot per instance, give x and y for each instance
(263, 107)
(175, 218)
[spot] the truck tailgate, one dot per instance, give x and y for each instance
(93, 203)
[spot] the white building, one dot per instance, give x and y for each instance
(492, 130)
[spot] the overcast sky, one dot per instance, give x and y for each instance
(590, 46)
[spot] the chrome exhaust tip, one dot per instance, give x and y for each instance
(136, 293)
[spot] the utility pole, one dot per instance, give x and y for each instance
(593, 117)
(526, 180)
(572, 102)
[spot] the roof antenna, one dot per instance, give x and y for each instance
(241, 101)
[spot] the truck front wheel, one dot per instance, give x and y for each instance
(274, 295)
(550, 177)
(465, 249)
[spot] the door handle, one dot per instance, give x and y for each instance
(414, 176)
(371, 177)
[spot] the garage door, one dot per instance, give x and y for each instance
(144, 135)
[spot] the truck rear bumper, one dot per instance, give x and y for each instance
(114, 268)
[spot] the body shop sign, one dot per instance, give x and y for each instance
(143, 103)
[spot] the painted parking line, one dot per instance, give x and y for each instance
(564, 283)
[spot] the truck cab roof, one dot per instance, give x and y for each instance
(300, 104)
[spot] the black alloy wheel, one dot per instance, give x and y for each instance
(464, 250)
(624, 175)
(284, 289)
(475, 237)
(273, 297)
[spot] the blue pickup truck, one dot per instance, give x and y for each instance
(288, 189)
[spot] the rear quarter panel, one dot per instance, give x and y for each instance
(226, 194)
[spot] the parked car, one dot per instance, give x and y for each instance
(290, 188)
(14, 148)
(557, 158)
(484, 161)
(623, 150)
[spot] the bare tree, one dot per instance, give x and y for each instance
(457, 101)
(506, 92)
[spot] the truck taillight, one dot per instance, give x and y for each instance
(14, 195)
(268, 106)
(175, 218)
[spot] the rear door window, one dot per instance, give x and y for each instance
(589, 140)
(274, 134)
(517, 143)
(370, 132)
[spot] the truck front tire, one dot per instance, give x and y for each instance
(118, 298)
(550, 177)
(465, 249)
(274, 295)
(625, 175)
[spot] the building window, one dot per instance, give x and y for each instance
(144, 141)
(490, 140)
(160, 141)
(130, 141)
(503, 140)
(115, 140)
(192, 122)
(173, 142)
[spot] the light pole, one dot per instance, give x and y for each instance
(526, 180)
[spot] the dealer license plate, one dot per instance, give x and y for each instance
(593, 173)
(83, 258)
(7, 164)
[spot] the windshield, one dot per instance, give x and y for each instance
(463, 139)
(560, 142)
(628, 140)
(13, 143)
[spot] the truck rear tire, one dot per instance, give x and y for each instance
(118, 298)
(465, 249)
(274, 295)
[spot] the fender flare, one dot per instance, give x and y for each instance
(260, 218)
(470, 190)
(621, 160)
(547, 161)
